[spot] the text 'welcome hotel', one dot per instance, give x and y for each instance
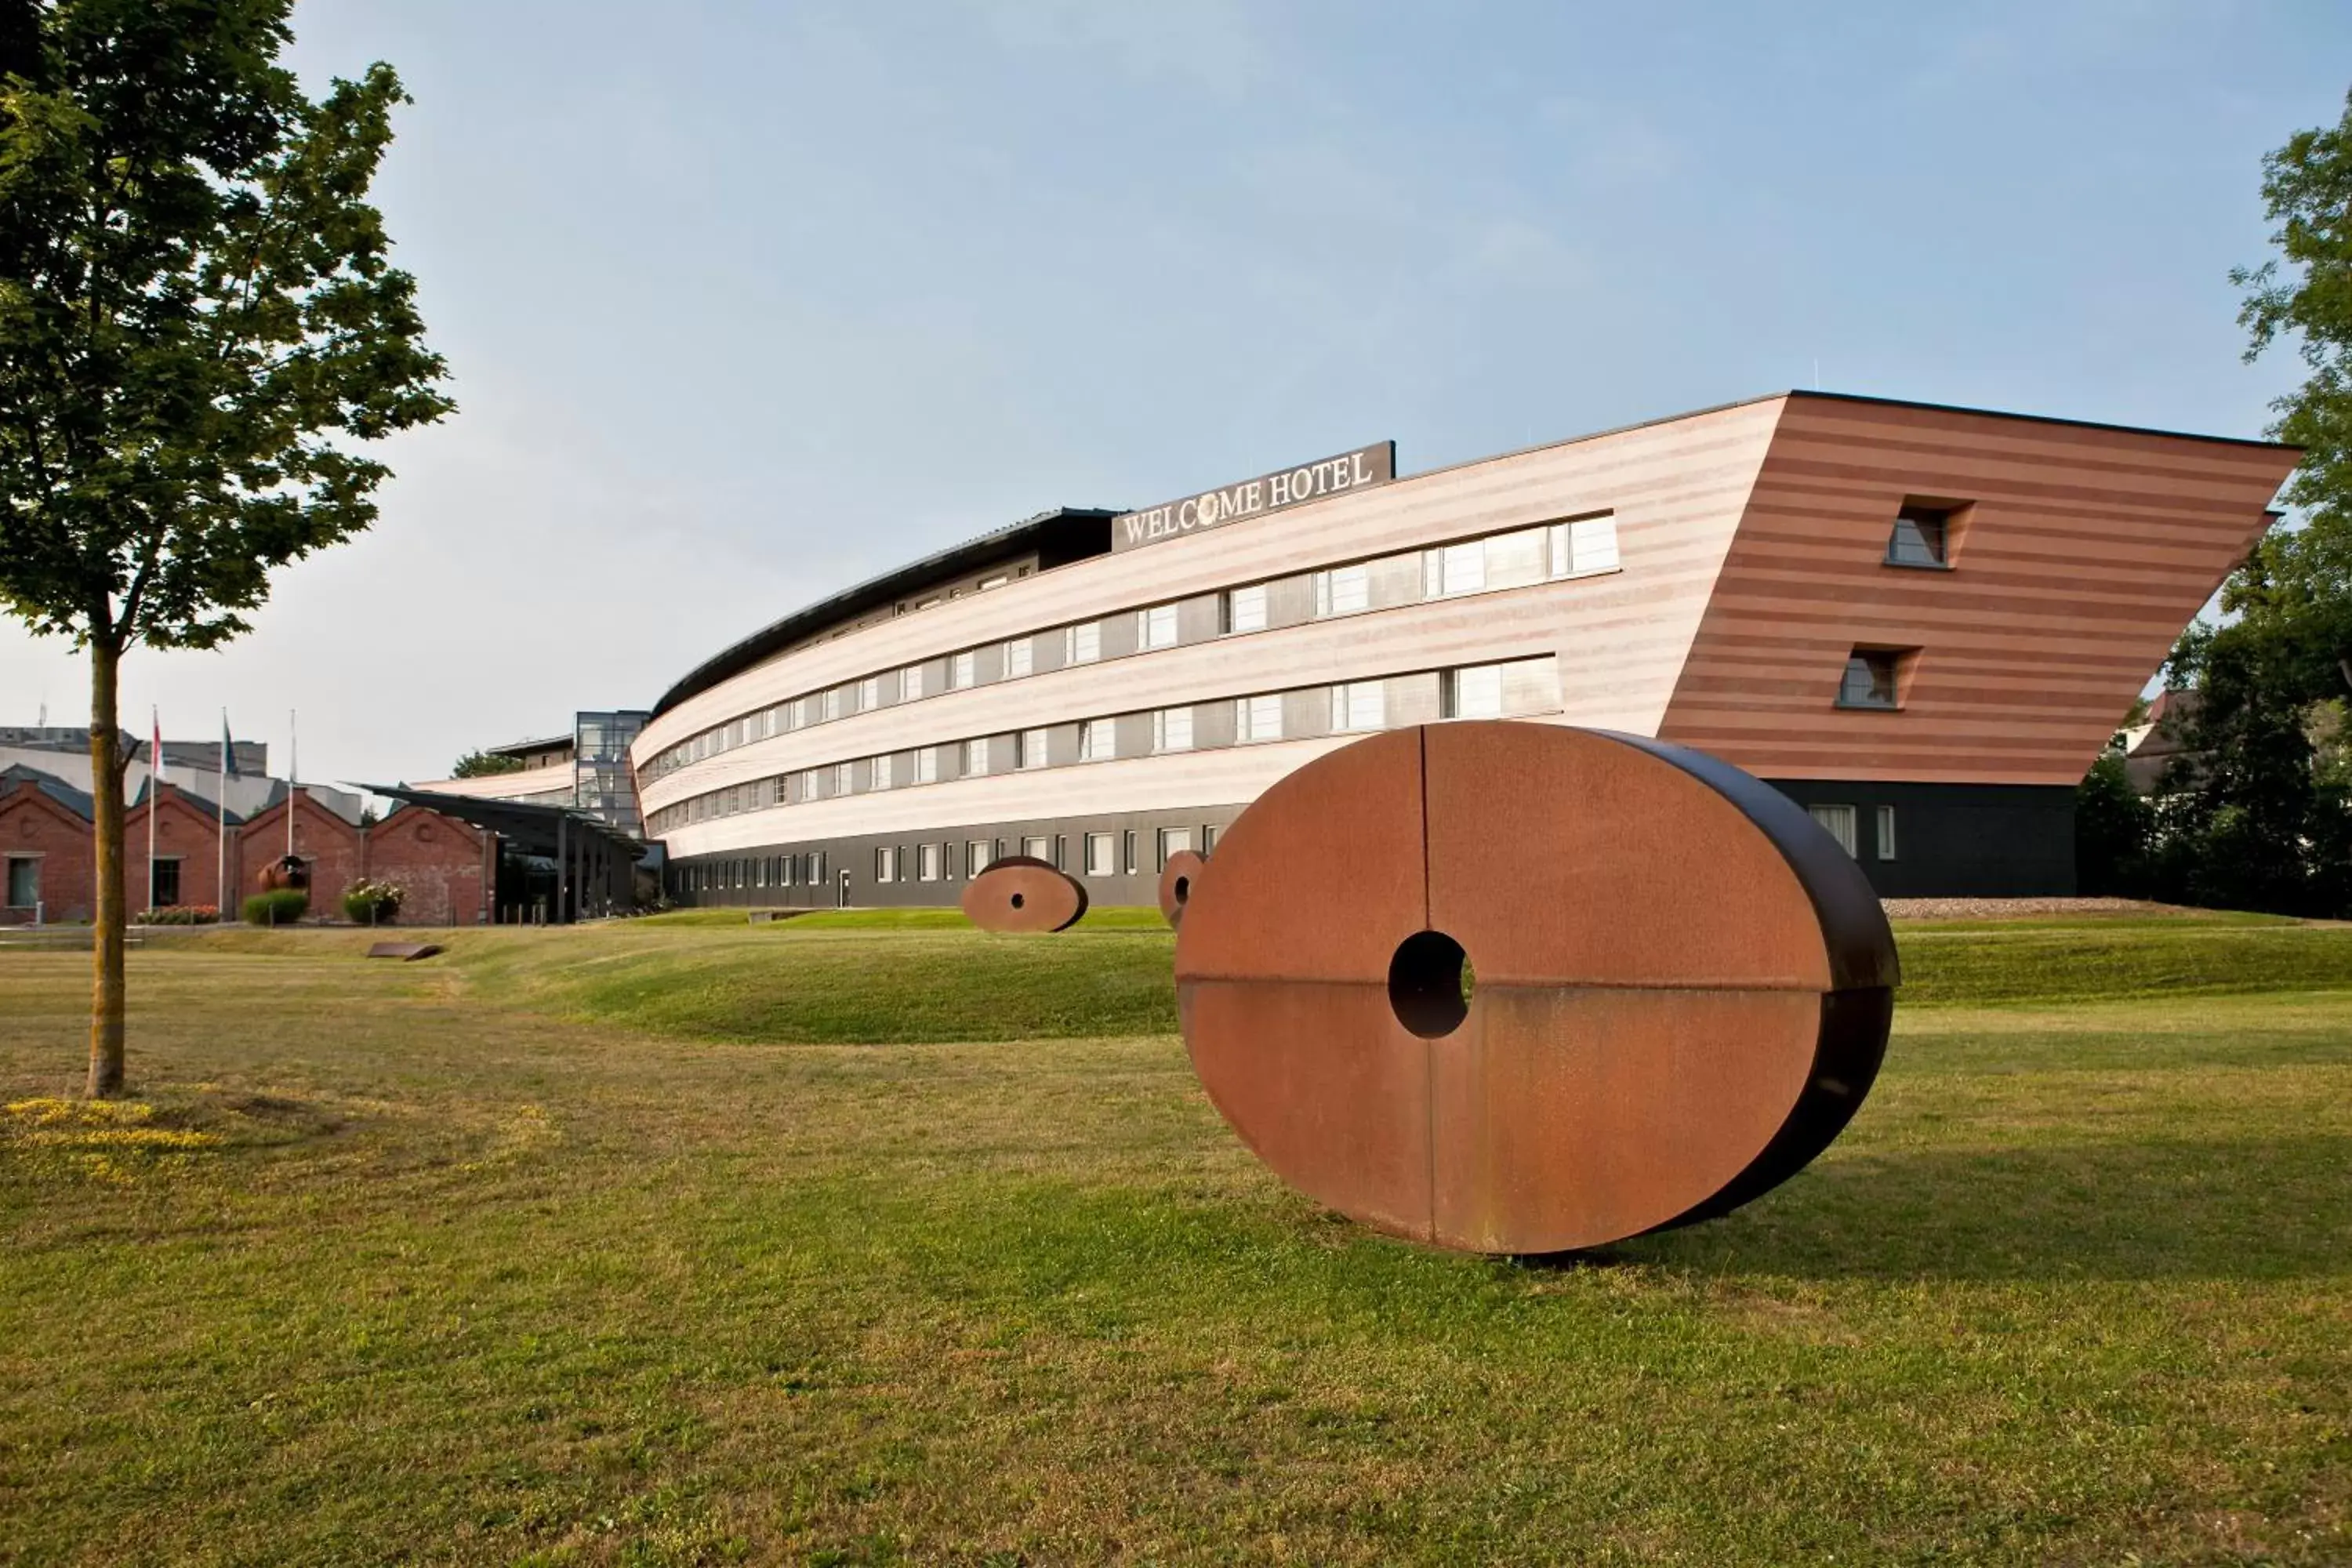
(1921, 623)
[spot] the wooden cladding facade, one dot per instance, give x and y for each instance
(2076, 554)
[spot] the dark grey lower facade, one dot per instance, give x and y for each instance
(1912, 840)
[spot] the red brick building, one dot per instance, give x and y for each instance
(447, 870)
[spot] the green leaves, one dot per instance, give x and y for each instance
(200, 323)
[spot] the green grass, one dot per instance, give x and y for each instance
(560, 1250)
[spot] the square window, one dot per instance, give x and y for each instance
(911, 683)
(1029, 749)
(1886, 833)
(1040, 848)
(963, 671)
(870, 694)
(1156, 628)
(1097, 739)
(1475, 692)
(882, 772)
(1082, 643)
(927, 765)
(1020, 657)
(1172, 730)
(975, 758)
(1587, 545)
(1869, 679)
(1102, 851)
(1921, 537)
(832, 703)
(1173, 840)
(1245, 609)
(1359, 705)
(1258, 718)
(977, 853)
(842, 783)
(1342, 590)
(1837, 821)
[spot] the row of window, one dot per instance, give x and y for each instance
(1104, 855)
(1511, 689)
(1842, 823)
(1575, 548)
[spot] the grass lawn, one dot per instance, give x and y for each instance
(681, 1241)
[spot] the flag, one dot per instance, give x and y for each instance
(228, 749)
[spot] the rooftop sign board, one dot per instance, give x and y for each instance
(1359, 469)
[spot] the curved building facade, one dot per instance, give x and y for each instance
(1921, 623)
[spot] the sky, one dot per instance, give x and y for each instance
(746, 302)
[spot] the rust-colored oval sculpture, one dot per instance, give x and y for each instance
(1509, 987)
(286, 871)
(1176, 883)
(1021, 892)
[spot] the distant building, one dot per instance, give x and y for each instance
(2160, 738)
(62, 751)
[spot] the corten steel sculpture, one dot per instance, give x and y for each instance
(1678, 991)
(1021, 892)
(286, 871)
(1176, 884)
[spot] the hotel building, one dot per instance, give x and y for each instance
(1921, 622)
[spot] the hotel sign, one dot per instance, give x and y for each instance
(1359, 469)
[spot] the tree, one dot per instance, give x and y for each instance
(199, 321)
(2112, 830)
(484, 764)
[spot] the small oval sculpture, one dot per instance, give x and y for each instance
(1176, 881)
(1510, 988)
(286, 871)
(1021, 892)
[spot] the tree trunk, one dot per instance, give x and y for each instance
(106, 797)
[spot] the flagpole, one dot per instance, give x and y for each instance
(293, 772)
(154, 761)
(220, 855)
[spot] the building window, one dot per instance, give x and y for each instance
(1097, 739)
(787, 870)
(1020, 657)
(1837, 821)
(927, 862)
(1156, 628)
(963, 671)
(817, 868)
(808, 784)
(977, 853)
(1359, 705)
(1102, 852)
(1040, 848)
(1082, 645)
(1172, 730)
(1133, 865)
(1886, 833)
(1244, 610)
(996, 582)
(164, 888)
(927, 765)
(842, 783)
(911, 683)
(869, 693)
(882, 772)
(1869, 680)
(1922, 537)
(1258, 718)
(1454, 569)
(975, 758)
(1588, 545)
(1475, 692)
(886, 864)
(1029, 749)
(1208, 839)
(1342, 590)
(1174, 841)
(832, 703)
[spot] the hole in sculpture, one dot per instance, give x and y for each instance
(1017, 900)
(1430, 981)
(1183, 889)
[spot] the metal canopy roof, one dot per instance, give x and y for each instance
(1066, 533)
(529, 828)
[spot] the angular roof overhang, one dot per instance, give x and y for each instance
(533, 829)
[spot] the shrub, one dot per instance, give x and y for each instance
(372, 903)
(180, 915)
(280, 907)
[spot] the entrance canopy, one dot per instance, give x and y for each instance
(596, 863)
